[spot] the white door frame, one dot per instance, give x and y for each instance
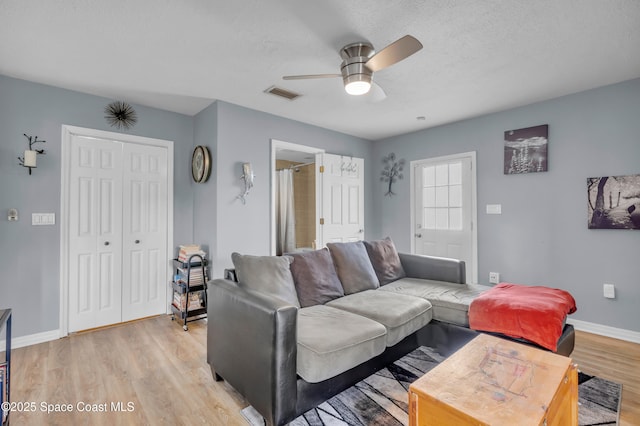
(67, 133)
(474, 203)
(275, 146)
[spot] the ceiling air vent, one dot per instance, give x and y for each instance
(283, 93)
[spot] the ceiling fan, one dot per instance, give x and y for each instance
(360, 61)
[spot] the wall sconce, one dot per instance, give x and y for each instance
(247, 175)
(29, 159)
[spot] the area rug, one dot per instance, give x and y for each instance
(381, 399)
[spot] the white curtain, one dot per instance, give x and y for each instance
(285, 220)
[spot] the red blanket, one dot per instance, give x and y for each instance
(529, 312)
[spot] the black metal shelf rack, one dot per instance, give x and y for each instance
(181, 285)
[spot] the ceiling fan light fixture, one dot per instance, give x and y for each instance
(358, 87)
(360, 61)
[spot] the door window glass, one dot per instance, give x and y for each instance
(442, 196)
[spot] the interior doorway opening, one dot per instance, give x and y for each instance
(294, 187)
(295, 206)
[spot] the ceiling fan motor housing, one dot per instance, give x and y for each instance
(353, 68)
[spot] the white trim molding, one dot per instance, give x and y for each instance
(605, 330)
(32, 339)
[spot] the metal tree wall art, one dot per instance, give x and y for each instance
(121, 115)
(392, 171)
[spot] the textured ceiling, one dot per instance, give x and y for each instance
(180, 55)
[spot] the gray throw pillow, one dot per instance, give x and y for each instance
(353, 266)
(385, 260)
(266, 274)
(315, 277)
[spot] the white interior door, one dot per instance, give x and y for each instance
(444, 216)
(342, 204)
(117, 231)
(95, 233)
(144, 280)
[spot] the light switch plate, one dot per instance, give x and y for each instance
(494, 208)
(43, 218)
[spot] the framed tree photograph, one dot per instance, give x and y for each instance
(614, 202)
(525, 150)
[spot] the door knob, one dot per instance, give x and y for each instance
(418, 235)
(106, 243)
(137, 241)
(360, 231)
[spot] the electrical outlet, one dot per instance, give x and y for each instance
(494, 277)
(609, 291)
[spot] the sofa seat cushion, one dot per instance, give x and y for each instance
(450, 301)
(332, 341)
(399, 313)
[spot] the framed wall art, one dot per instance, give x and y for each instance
(614, 202)
(525, 150)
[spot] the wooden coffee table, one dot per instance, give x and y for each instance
(492, 381)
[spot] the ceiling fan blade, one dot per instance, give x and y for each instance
(308, 76)
(376, 94)
(393, 53)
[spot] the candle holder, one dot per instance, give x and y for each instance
(30, 155)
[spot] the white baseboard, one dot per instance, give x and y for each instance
(32, 339)
(605, 330)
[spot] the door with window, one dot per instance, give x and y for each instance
(444, 209)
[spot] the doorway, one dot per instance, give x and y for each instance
(338, 192)
(294, 194)
(116, 227)
(443, 209)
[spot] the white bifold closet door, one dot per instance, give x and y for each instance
(117, 232)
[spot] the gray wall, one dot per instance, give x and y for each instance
(244, 135)
(31, 254)
(205, 194)
(541, 238)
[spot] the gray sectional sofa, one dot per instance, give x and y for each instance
(288, 351)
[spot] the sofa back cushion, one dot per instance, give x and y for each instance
(353, 266)
(266, 274)
(315, 277)
(385, 260)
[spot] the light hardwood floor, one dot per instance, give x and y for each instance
(615, 360)
(152, 363)
(161, 371)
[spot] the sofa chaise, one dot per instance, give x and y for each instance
(289, 332)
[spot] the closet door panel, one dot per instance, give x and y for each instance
(144, 232)
(95, 237)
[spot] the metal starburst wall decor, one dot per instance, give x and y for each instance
(121, 115)
(392, 171)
